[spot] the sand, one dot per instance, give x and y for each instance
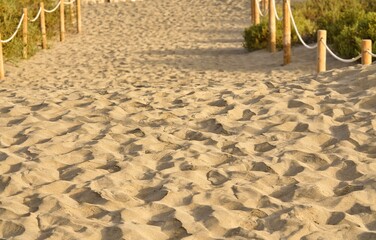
(155, 123)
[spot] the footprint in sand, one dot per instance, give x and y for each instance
(335, 218)
(348, 172)
(247, 115)
(359, 209)
(88, 196)
(219, 103)
(216, 178)
(262, 167)
(10, 229)
(344, 188)
(263, 147)
(152, 194)
(213, 126)
(298, 104)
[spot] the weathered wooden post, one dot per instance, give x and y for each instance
(62, 21)
(43, 26)
(321, 51)
(272, 27)
(2, 73)
(71, 13)
(366, 56)
(24, 33)
(254, 13)
(78, 14)
(286, 33)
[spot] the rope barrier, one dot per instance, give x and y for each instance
(38, 14)
(341, 59)
(69, 3)
(15, 33)
(372, 54)
(275, 11)
(54, 9)
(297, 31)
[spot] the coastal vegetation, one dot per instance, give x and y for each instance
(347, 22)
(10, 14)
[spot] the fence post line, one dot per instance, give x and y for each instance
(321, 51)
(272, 27)
(366, 56)
(24, 33)
(62, 21)
(2, 73)
(78, 14)
(43, 26)
(286, 33)
(255, 14)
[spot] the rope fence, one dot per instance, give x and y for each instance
(41, 15)
(15, 32)
(321, 45)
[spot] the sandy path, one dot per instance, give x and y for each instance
(156, 124)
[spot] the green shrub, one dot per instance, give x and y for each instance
(256, 36)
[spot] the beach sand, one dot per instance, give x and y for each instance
(155, 123)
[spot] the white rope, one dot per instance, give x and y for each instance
(14, 34)
(372, 54)
(68, 3)
(297, 31)
(275, 11)
(38, 14)
(341, 59)
(53, 10)
(259, 9)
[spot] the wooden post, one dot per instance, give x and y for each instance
(321, 51)
(286, 33)
(265, 5)
(78, 14)
(43, 26)
(272, 27)
(62, 22)
(366, 57)
(255, 14)
(24, 33)
(71, 11)
(2, 73)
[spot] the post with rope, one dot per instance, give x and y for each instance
(272, 28)
(43, 26)
(366, 50)
(321, 51)
(78, 14)
(62, 21)
(286, 33)
(24, 33)
(254, 12)
(2, 73)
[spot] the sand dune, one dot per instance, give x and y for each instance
(156, 124)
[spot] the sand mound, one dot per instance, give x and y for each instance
(156, 124)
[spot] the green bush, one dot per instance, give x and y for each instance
(256, 37)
